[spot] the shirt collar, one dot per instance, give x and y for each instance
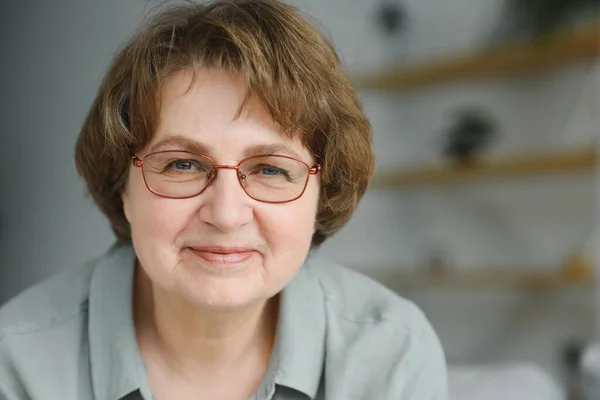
(300, 347)
(117, 365)
(116, 362)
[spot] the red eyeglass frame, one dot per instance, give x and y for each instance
(314, 170)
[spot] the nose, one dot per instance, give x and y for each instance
(226, 206)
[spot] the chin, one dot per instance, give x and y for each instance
(223, 295)
(223, 285)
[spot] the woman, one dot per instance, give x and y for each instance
(224, 144)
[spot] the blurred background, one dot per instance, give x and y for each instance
(484, 209)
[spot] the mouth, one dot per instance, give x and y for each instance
(223, 255)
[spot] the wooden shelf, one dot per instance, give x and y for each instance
(516, 166)
(551, 51)
(483, 279)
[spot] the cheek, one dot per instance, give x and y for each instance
(153, 217)
(289, 228)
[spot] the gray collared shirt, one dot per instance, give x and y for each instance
(341, 336)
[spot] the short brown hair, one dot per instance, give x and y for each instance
(286, 64)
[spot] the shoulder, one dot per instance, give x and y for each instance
(351, 295)
(42, 334)
(48, 303)
(370, 325)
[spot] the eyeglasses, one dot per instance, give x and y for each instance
(267, 178)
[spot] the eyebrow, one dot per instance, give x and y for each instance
(178, 142)
(271, 149)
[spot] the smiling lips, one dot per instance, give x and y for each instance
(223, 255)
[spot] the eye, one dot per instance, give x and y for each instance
(272, 168)
(186, 165)
(271, 171)
(182, 164)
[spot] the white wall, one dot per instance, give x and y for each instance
(54, 55)
(523, 223)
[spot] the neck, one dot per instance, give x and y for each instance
(192, 340)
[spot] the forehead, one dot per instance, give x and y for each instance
(203, 107)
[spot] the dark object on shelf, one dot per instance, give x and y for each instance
(571, 355)
(391, 18)
(530, 19)
(570, 358)
(471, 132)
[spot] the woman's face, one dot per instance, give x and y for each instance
(221, 249)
